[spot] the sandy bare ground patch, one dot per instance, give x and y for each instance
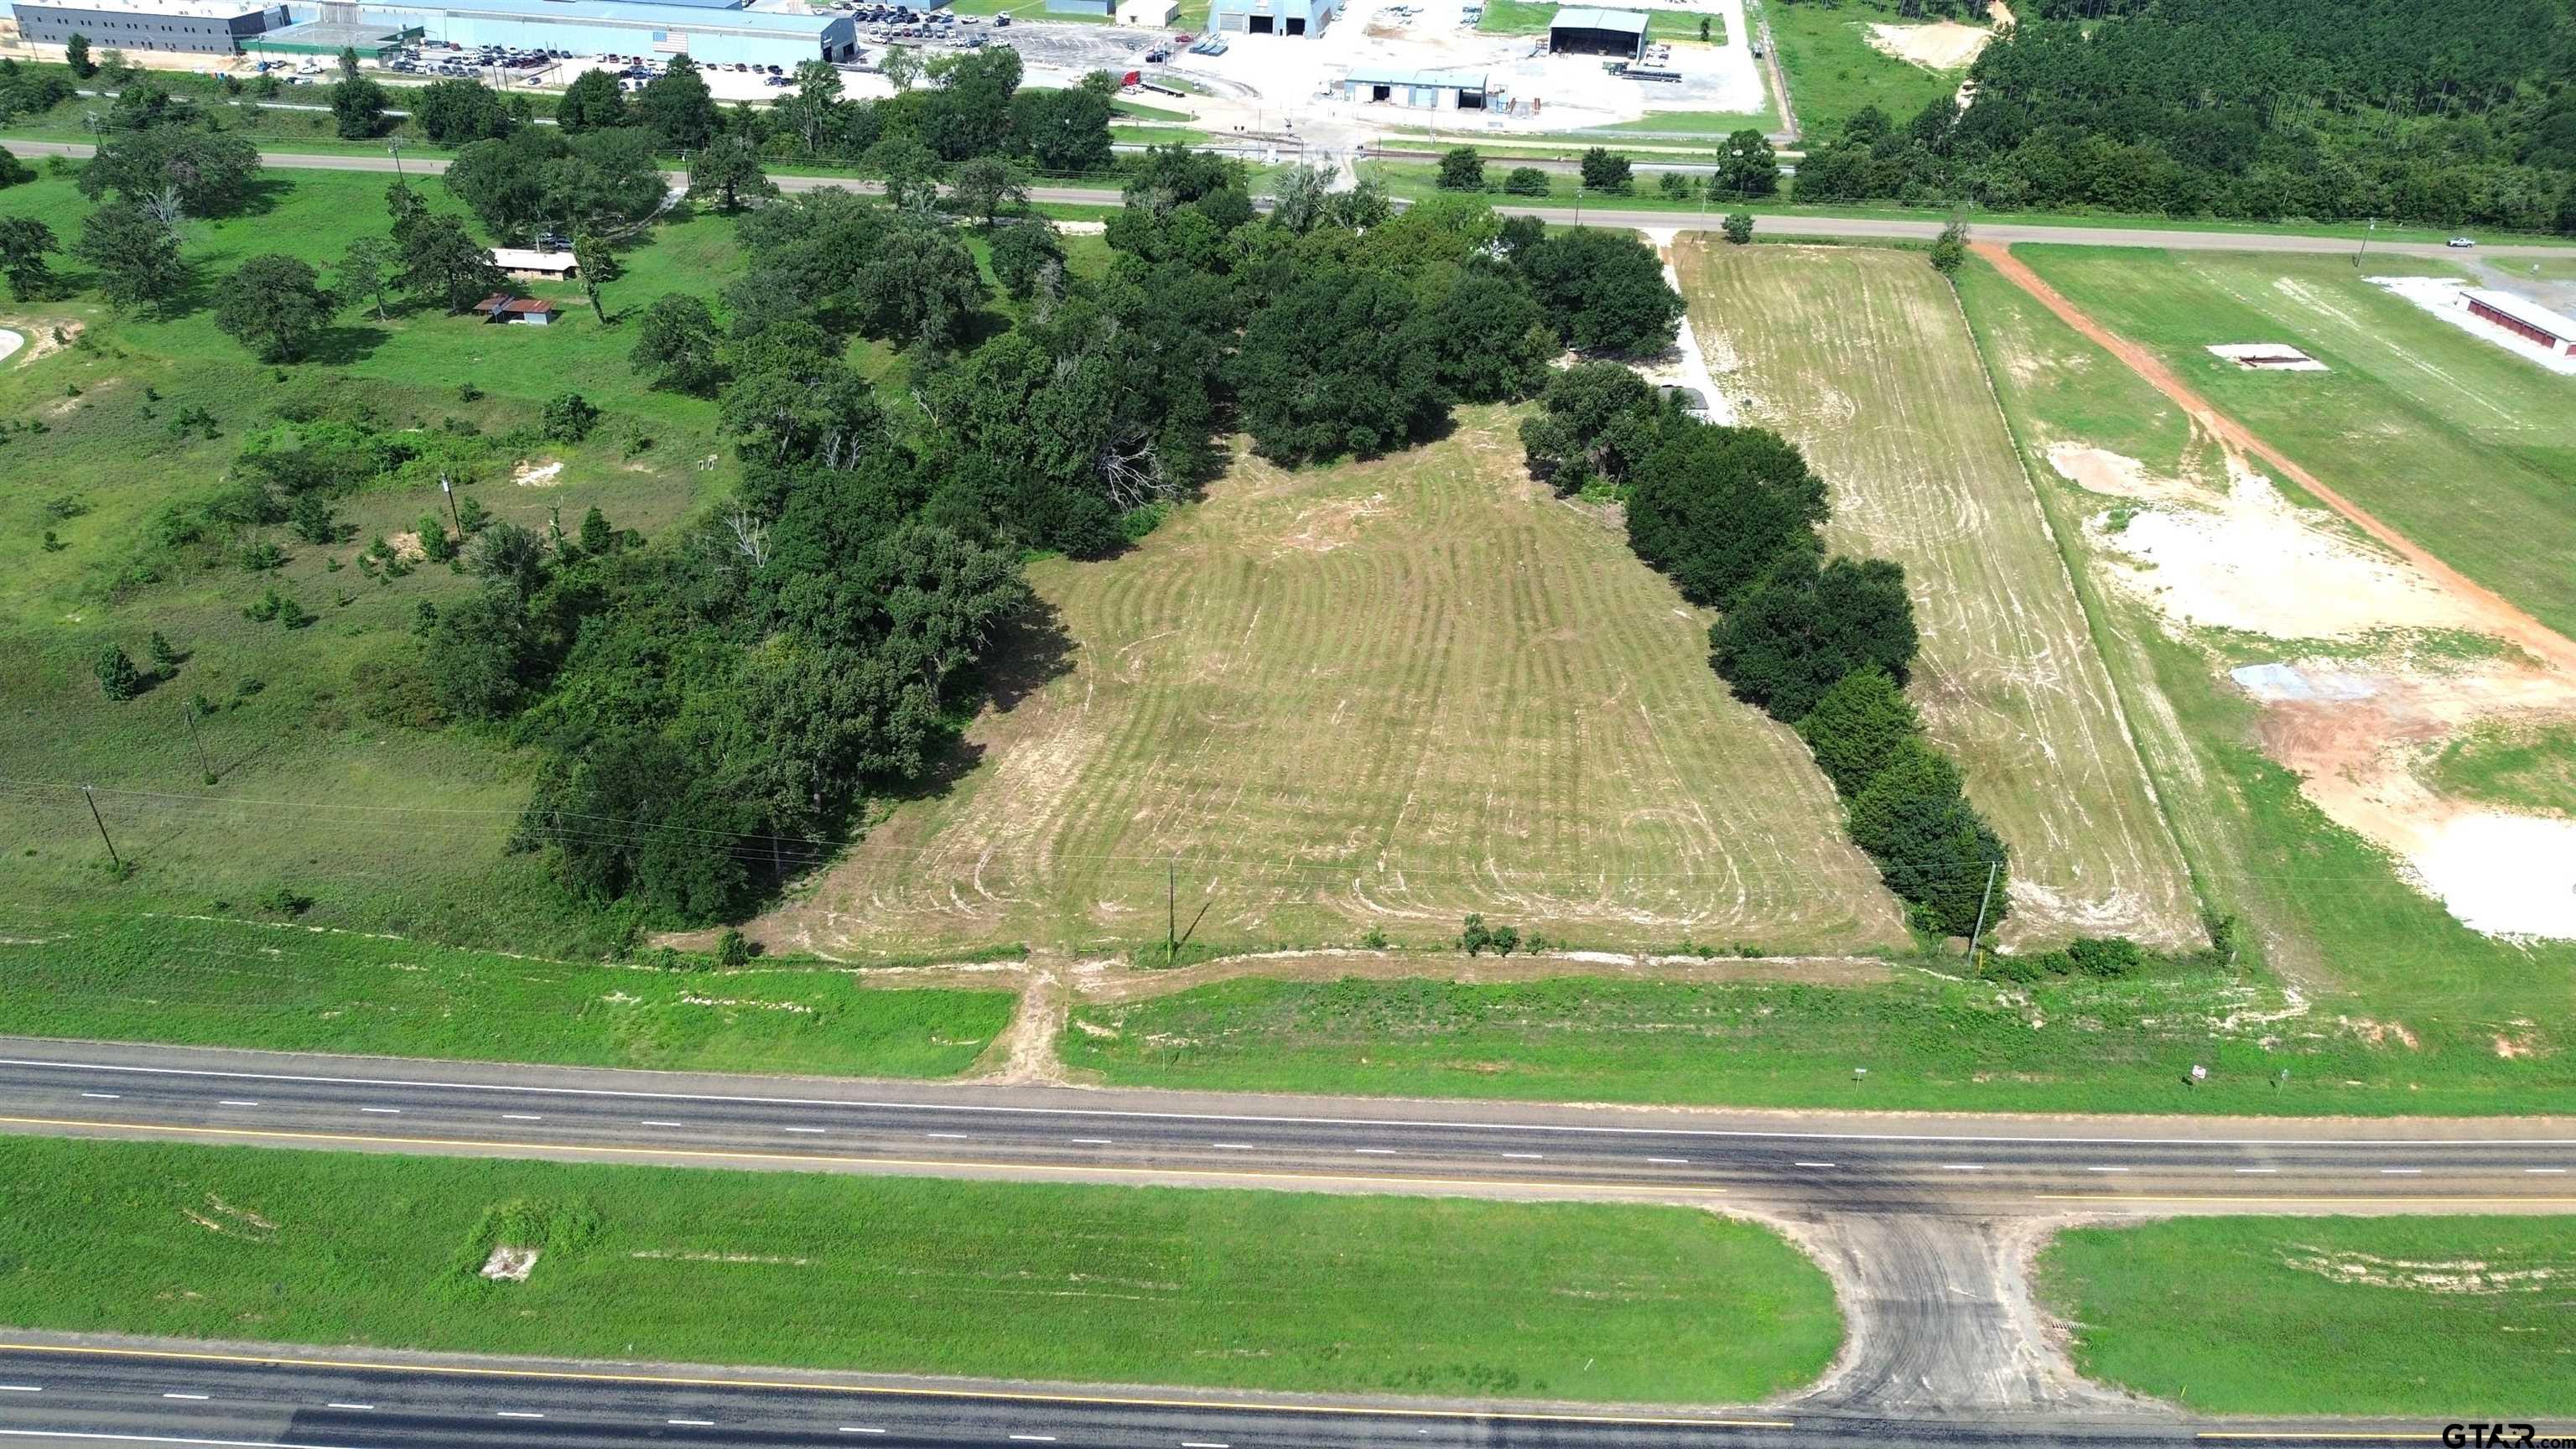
(1862, 357)
(1938, 45)
(35, 339)
(1477, 701)
(1108, 981)
(533, 474)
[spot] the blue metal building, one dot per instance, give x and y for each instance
(710, 32)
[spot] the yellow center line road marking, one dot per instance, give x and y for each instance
(2351, 1200)
(1008, 1396)
(931, 1164)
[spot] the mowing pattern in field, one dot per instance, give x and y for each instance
(2435, 1317)
(2461, 446)
(1863, 358)
(1181, 1286)
(1382, 695)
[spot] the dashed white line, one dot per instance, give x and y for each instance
(802, 1129)
(692, 1423)
(516, 1414)
(2258, 1169)
(521, 1117)
(954, 1136)
(383, 1111)
(2547, 1171)
(1376, 1151)
(106, 1096)
(1090, 1141)
(2401, 1172)
(1204, 1444)
(1034, 1438)
(856, 1429)
(1234, 1147)
(1671, 1161)
(185, 1396)
(2106, 1169)
(1811, 1164)
(1963, 1167)
(348, 1406)
(649, 1122)
(22, 1388)
(1525, 1156)
(236, 1102)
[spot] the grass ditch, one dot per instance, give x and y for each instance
(1186, 1287)
(2430, 1317)
(285, 987)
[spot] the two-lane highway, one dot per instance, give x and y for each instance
(1851, 1162)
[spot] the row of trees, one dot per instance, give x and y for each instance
(1746, 168)
(2442, 111)
(1734, 516)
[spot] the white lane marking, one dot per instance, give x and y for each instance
(1376, 1151)
(62, 1434)
(236, 1102)
(348, 1406)
(2401, 1172)
(1090, 1141)
(1525, 1156)
(1812, 1164)
(1671, 1161)
(2258, 1169)
(106, 1096)
(855, 1429)
(2106, 1169)
(516, 1414)
(649, 1122)
(383, 1111)
(22, 1388)
(1963, 1167)
(521, 1117)
(959, 1136)
(692, 1423)
(803, 1129)
(185, 1396)
(2547, 1171)
(1204, 1444)
(1143, 1115)
(1234, 1147)
(1034, 1438)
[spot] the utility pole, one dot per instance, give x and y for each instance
(204, 761)
(2365, 243)
(1993, 867)
(92, 797)
(393, 146)
(1171, 910)
(448, 488)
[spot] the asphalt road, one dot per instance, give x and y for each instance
(1772, 224)
(1857, 1163)
(79, 1395)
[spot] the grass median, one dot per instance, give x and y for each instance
(288, 988)
(2438, 1317)
(1263, 1290)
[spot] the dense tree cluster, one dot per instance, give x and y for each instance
(2447, 112)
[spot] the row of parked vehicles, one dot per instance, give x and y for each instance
(446, 57)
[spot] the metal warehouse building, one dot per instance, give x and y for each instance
(708, 31)
(1583, 30)
(2522, 317)
(1272, 17)
(195, 27)
(1445, 90)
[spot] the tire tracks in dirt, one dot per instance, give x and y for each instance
(2496, 615)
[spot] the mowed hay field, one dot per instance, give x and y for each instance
(2460, 445)
(1377, 695)
(1863, 358)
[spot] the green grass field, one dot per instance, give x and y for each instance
(2408, 403)
(1861, 356)
(2321, 904)
(411, 824)
(1377, 695)
(2430, 1318)
(1266, 1290)
(2526, 769)
(1833, 70)
(282, 987)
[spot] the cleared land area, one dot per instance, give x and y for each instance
(1371, 696)
(2434, 1317)
(1861, 356)
(2376, 959)
(1835, 69)
(2463, 447)
(1091, 1284)
(286, 988)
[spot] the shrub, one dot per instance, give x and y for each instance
(1607, 170)
(1739, 227)
(732, 949)
(117, 676)
(1858, 726)
(1526, 181)
(1932, 848)
(570, 417)
(1462, 169)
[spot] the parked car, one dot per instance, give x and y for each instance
(2460, 241)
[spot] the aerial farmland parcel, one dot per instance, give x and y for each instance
(1367, 697)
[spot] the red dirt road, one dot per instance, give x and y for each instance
(2498, 617)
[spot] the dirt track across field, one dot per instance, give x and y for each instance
(2494, 615)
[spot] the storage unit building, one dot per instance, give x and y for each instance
(1584, 30)
(192, 27)
(2522, 317)
(1442, 90)
(1272, 17)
